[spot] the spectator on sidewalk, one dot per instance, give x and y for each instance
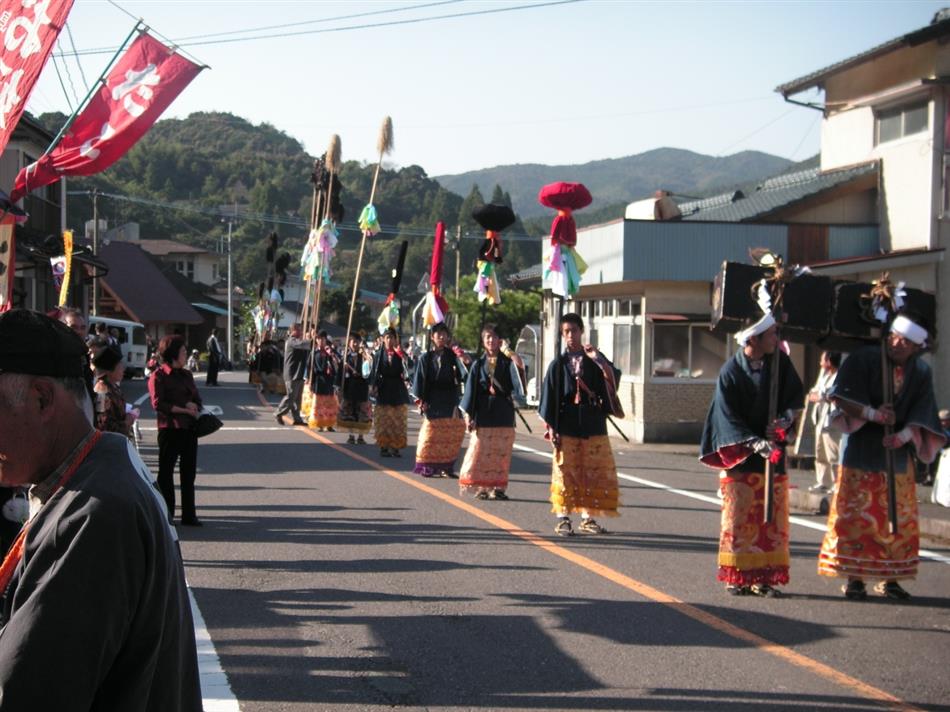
(95, 612)
(215, 356)
(826, 438)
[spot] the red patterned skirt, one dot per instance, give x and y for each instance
(488, 459)
(751, 551)
(584, 477)
(857, 542)
(440, 440)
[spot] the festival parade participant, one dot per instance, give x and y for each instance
(387, 382)
(356, 413)
(323, 371)
(491, 389)
(737, 440)
(435, 385)
(858, 544)
(95, 609)
(296, 354)
(579, 391)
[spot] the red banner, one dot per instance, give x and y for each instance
(28, 30)
(139, 88)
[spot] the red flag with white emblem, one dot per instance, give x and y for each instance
(139, 88)
(28, 31)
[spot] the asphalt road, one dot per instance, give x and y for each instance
(333, 579)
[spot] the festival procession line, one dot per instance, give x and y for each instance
(924, 553)
(780, 651)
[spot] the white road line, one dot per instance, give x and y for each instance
(141, 399)
(924, 553)
(216, 694)
(239, 428)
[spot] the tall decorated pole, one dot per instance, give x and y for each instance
(327, 234)
(493, 218)
(307, 259)
(389, 317)
(369, 221)
(880, 307)
(436, 308)
(768, 293)
(562, 266)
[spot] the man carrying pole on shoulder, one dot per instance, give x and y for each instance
(859, 543)
(740, 442)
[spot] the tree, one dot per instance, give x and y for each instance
(517, 308)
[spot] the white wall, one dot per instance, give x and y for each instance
(602, 247)
(907, 196)
(847, 138)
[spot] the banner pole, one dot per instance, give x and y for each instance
(92, 90)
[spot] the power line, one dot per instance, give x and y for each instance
(62, 85)
(350, 28)
(72, 43)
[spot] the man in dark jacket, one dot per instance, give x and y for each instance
(296, 355)
(95, 611)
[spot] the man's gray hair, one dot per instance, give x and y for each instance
(14, 387)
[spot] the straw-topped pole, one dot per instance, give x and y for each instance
(384, 144)
(333, 159)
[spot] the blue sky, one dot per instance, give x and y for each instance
(553, 84)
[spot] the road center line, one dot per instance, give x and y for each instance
(780, 651)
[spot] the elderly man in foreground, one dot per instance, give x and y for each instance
(95, 613)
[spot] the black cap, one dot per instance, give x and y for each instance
(107, 358)
(34, 344)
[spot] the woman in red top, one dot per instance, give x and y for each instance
(176, 401)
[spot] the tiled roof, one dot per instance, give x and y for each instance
(142, 288)
(772, 194)
(528, 274)
(940, 27)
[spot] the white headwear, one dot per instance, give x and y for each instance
(909, 330)
(759, 327)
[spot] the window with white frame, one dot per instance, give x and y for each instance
(892, 124)
(687, 350)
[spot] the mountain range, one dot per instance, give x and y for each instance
(621, 180)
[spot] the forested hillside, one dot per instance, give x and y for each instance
(185, 177)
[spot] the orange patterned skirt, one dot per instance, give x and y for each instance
(857, 542)
(390, 423)
(437, 449)
(488, 459)
(751, 551)
(584, 477)
(324, 412)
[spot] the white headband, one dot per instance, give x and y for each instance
(762, 325)
(908, 329)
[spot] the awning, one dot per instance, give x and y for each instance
(210, 308)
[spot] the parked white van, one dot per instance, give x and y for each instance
(131, 336)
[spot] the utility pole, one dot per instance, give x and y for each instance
(458, 257)
(95, 250)
(230, 298)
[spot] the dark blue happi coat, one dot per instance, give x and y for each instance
(860, 380)
(738, 414)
